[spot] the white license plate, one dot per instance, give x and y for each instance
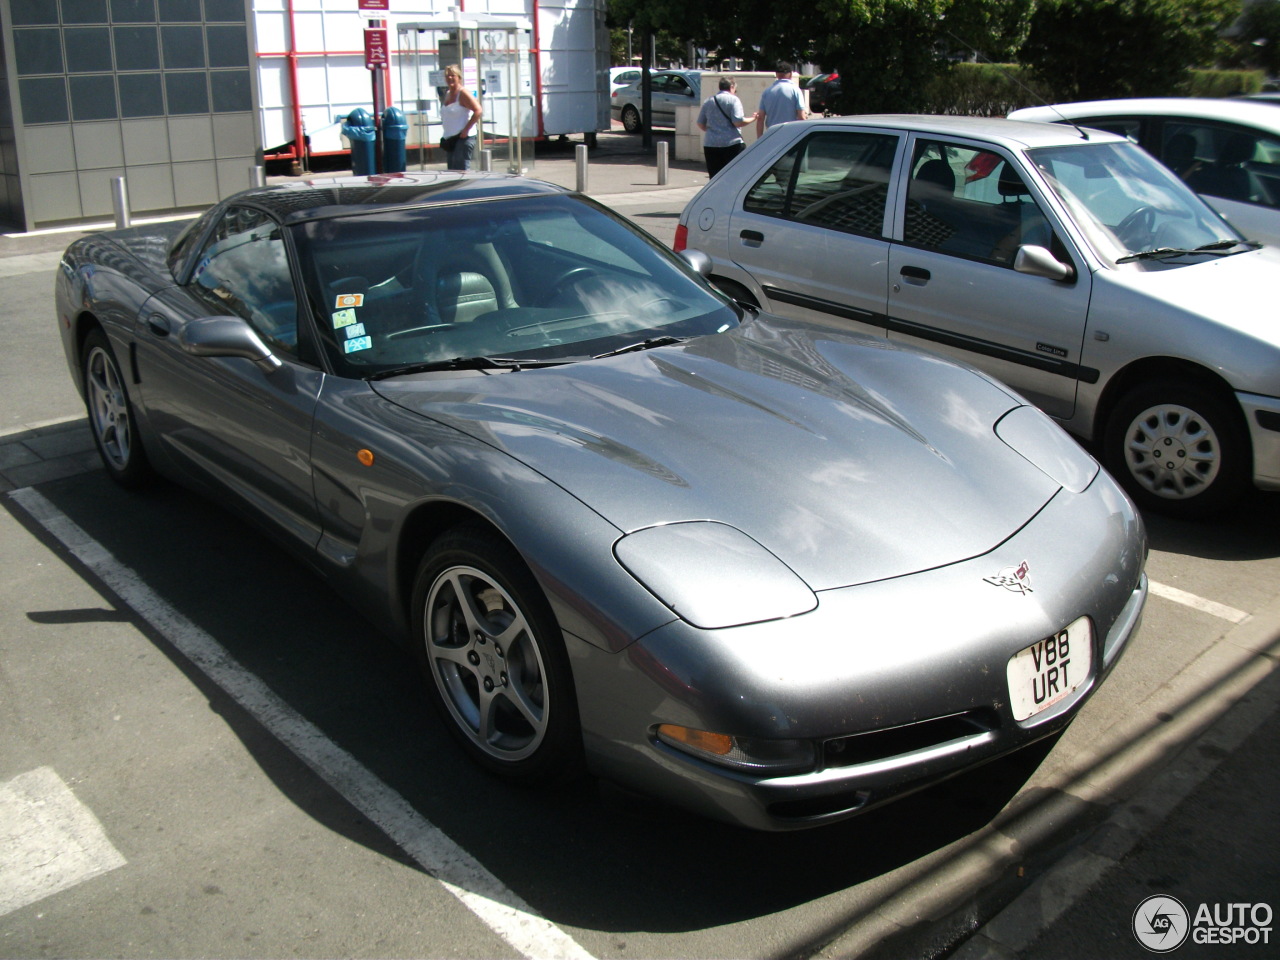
(1050, 670)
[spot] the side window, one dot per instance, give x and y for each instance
(680, 87)
(1228, 162)
(830, 179)
(971, 202)
(244, 270)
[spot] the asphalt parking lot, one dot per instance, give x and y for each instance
(206, 754)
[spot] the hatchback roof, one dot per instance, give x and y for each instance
(1010, 133)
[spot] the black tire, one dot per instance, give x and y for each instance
(1179, 450)
(494, 659)
(111, 418)
(631, 119)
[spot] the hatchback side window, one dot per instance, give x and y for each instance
(830, 179)
(243, 270)
(1227, 162)
(971, 202)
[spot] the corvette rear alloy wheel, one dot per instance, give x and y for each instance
(1178, 450)
(111, 413)
(494, 657)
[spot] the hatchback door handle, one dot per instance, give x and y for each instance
(753, 237)
(916, 275)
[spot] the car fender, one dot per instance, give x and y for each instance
(424, 476)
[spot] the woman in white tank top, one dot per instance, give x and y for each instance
(460, 117)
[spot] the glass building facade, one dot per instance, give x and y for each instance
(161, 92)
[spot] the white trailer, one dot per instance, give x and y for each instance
(311, 58)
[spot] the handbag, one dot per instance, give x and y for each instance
(448, 143)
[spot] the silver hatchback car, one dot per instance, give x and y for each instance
(1070, 265)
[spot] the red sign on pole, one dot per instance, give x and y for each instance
(374, 4)
(375, 47)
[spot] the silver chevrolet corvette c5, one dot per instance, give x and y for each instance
(773, 573)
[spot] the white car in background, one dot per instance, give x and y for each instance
(1228, 151)
(620, 77)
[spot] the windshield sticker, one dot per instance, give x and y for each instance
(359, 343)
(343, 318)
(355, 331)
(349, 300)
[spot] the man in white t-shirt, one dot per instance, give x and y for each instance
(782, 101)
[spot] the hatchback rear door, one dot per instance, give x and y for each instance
(813, 228)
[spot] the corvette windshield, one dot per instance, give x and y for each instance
(534, 279)
(1127, 203)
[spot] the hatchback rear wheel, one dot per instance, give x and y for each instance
(631, 119)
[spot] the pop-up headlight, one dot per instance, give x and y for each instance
(1046, 445)
(713, 575)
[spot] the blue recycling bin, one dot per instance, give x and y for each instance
(359, 129)
(395, 129)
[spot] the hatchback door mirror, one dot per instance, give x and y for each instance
(1039, 262)
(227, 337)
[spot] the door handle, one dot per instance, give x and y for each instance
(752, 237)
(159, 324)
(918, 276)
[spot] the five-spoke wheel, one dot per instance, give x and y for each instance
(493, 655)
(110, 413)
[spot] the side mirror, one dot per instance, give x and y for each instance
(227, 337)
(698, 260)
(1039, 262)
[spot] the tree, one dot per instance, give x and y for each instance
(1097, 49)
(1258, 34)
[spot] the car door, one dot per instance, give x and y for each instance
(670, 91)
(229, 423)
(967, 207)
(812, 229)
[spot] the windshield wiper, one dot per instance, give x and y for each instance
(465, 363)
(642, 345)
(1219, 247)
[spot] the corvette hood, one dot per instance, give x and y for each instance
(850, 459)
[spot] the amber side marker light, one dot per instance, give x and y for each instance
(365, 457)
(718, 744)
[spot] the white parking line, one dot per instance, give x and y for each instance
(1198, 603)
(502, 910)
(49, 840)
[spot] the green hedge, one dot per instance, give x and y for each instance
(994, 89)
(1221, 83)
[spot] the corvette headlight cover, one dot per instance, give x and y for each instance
(713, 575)
(1046, 445)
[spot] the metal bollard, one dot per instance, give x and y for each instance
(486, 160)
(662, 163)
(580, 160)
(257, 176)
(120, 203)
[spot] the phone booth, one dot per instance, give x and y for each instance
(497, 67)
